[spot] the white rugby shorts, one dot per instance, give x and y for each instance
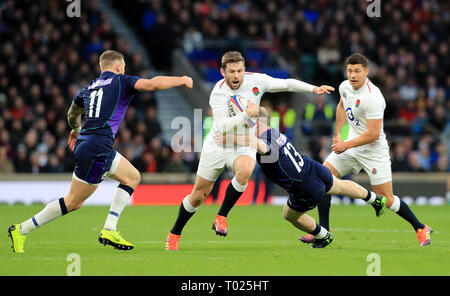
(376, 163)
(213, 159)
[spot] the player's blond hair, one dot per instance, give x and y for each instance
(231, 57)
(108, 57)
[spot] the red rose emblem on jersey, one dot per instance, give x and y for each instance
(255, 91)
(374, 171)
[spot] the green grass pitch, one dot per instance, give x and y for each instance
(259, 243)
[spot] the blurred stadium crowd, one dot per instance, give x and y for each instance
(46, 57)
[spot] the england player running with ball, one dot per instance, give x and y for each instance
(104, 103)
(240, 160)
(362, 105)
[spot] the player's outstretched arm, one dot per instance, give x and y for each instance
(318, 90)
(294, 85)
(163, 82)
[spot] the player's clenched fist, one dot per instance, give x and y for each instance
(72, 139)
(188, 82)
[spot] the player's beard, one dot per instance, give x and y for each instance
(236, 85)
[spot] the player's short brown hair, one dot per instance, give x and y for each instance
(231, 57)
(357, 58)
(108, 57)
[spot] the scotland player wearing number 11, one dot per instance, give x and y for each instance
(104, 102)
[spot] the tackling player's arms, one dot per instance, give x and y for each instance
(242, 140)
(162, 83)
(74, 116)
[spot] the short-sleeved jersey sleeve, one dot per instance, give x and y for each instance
(375, 106)
(79, 98)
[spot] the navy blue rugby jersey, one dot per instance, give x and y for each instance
(282, 163)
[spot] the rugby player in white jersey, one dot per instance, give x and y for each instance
(362, 104)
(240, 160)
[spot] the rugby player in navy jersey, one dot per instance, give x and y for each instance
(305, 179)
(104, 103)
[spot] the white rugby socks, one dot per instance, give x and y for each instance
(322, 233)
(52, 210)
(119, 201)
(395, 206)
(371, 196)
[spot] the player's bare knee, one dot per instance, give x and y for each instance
(332, 169)
(197, 197)
(132, 179)
(72, 204)
(338, 186)
(287, 214)
(136, 178)
(243, 175)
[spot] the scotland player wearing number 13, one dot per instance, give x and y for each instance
(305, 179)
(104, 102)
(362, 105)
(213, 159)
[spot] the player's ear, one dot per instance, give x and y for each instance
(222, 71)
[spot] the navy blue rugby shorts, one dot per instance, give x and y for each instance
(306, 195)
(94, 161)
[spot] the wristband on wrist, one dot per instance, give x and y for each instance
(77, 130)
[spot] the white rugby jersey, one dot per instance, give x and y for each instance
(367, 102)
(254, 85)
